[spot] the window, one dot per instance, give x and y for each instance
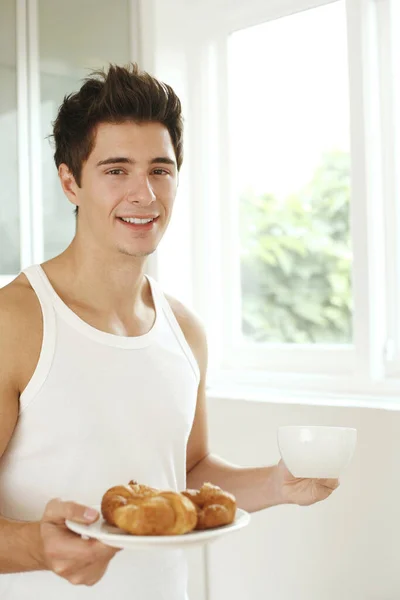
(291, 150)
(290, 140)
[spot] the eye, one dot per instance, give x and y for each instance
(114, 172)
(160, 172)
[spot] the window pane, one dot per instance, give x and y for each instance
(75, 37)
(289, 121)
(9, 203)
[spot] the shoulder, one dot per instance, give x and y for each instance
(17, 301)
(193, 329)
(20, 327)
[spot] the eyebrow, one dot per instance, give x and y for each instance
(129, 161)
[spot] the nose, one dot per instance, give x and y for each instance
(142, 193)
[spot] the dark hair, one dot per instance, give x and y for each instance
(118, 95)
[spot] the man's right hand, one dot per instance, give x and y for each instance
(81, 562)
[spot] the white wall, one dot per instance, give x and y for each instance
(346, 548)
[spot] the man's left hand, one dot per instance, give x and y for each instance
(303, 492)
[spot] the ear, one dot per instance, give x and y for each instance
(68, 184)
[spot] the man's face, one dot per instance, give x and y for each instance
(128, 187)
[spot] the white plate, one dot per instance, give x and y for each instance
(112, 536)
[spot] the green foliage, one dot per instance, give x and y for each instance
(296, 260)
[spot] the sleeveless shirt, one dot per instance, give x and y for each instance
(100, 410)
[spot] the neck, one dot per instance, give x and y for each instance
(110, 283)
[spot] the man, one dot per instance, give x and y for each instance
(102, 378)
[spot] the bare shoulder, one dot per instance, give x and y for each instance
(20, 330)
(193, 330)
(17, 301)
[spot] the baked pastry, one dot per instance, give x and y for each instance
(142, 510)
(214, 506)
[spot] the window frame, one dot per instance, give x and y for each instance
(361, 366)
(388, 13)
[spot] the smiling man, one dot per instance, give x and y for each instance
(102, 377)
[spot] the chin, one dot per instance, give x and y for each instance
(136, 252)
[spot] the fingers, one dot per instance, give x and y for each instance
(88, 575)
(66, 554)
(80, 561)
(102, 551)
(85, 574)
(57, 512)
(99, 549)
(88, 552)
(331, 484)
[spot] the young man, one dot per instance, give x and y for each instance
(102, 378)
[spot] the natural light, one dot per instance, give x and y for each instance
(289, 126)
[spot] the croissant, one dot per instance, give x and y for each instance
(214, 506)
(142, 510)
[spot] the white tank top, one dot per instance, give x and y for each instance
(99, 411)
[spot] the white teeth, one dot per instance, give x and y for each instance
(136, 221)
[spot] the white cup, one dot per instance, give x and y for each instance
(316, 451)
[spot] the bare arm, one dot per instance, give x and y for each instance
(18, 541)
(19, 547)
(255, 488)
(46, 544)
